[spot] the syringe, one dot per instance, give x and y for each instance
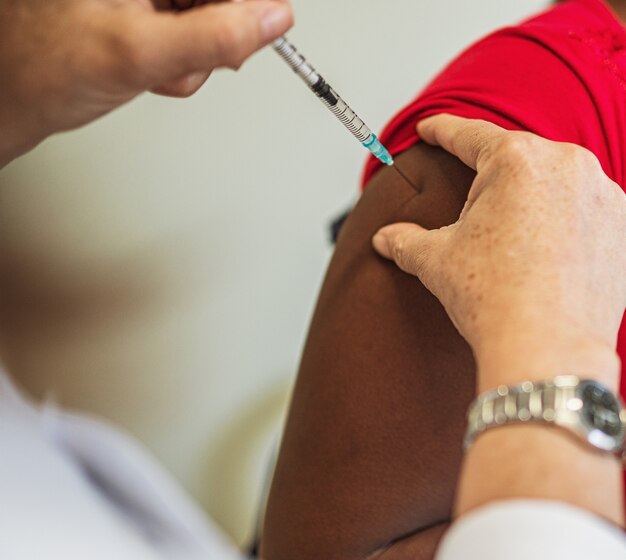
(333, 101)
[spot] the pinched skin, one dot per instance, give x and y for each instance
(372, 447)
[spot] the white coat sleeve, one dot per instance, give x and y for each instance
(541, 530)
(73, 488)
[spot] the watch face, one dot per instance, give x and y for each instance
(601, 410)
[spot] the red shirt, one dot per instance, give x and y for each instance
(561, 75)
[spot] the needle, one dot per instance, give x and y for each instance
(404, 176)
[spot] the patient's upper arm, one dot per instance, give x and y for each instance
(372, 445)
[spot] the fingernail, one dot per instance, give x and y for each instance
(381, 244)
(276, 21)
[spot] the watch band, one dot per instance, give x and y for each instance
(557, 401)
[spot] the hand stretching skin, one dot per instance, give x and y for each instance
(68, 62)
(533, 274)
(537, 253)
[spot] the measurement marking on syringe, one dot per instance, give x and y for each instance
(332, 100)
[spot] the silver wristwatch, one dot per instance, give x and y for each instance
(585, 408)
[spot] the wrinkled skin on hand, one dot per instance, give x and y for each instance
(538, 250)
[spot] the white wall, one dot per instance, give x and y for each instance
(161, 265)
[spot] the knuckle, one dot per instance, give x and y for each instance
(578, 157)
(586, 168)
(471, 135)
(409, 256)
(484, 154)
(586, 159)
(398, 250)
(572, 151)
(522, 155)
(516, 147)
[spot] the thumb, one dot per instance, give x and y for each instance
(413, 248)
(212, 36)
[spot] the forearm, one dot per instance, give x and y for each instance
(536, 461)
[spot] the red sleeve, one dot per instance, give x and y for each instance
(561, 75)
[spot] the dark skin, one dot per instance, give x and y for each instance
(368, 423)
(372, 447)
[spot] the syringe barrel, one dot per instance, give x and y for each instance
(320, 87)
(350, 119)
